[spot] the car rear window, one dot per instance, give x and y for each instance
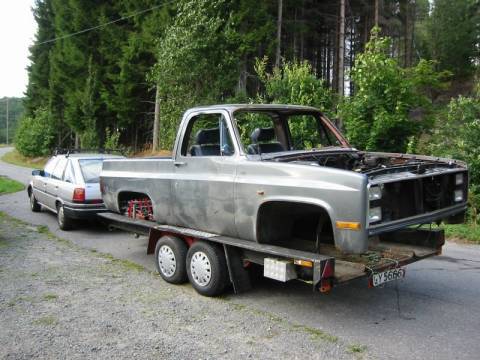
(91, 170)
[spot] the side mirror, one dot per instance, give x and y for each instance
(38, 173)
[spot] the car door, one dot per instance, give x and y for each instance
(205, 171)
(69, 183)
(40, 181)
(55, 182)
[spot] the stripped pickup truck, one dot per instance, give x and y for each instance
(279, 186)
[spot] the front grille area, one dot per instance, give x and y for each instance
(406, 198)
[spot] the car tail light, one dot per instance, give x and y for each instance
(79, 195)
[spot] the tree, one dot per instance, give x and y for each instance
(294, 83)
(37, 93)
(454, 33)
(35, 135)
(197, 59)
(379, 115)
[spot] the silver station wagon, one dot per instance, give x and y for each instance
(69, 187)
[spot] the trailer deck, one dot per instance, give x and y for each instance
(329, 267)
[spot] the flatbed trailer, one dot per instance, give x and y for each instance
(323, 269)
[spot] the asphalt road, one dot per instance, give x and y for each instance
(432, 314)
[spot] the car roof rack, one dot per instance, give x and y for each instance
(67, 152)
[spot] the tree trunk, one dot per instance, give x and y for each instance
(341, 49)
(295, 32)
(242, 78)
(279, 33)
(376, 12)
(409, 27)
(302, 32)
(156, 120)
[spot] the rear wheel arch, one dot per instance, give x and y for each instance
(123, 197)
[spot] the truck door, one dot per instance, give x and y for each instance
(205, 169)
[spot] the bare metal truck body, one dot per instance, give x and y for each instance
(285, 176)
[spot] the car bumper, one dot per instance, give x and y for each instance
(83, 211)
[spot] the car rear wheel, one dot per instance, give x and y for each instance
(34, 205)
(207, 268)
(64, 222)
(170, 259)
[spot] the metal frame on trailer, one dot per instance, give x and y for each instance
(323, 266)
(328, 269)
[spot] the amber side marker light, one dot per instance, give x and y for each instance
(348, 225)
(305, 263)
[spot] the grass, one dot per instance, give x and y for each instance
(50, 297)
(46, 321)
(356, 348)
(15, 158)
(317, 334)
(8, 186)
(464, 232)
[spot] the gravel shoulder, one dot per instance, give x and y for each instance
(58, 300)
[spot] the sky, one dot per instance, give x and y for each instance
(17, 31)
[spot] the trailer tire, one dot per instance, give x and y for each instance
(207, 268)
(170, 259)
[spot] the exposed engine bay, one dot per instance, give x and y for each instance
(370, 163)
(401, 186)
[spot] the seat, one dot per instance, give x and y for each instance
(207, 143)
(263, 142)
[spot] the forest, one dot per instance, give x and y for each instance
(12, 106)
(395, 75)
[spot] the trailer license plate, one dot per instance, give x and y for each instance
(386, 276)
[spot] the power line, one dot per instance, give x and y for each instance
(105, 24)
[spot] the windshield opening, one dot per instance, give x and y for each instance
(270, 132)
(91, 169)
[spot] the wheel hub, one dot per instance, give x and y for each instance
(201, 268)
(166, 261)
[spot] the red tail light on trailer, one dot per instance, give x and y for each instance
(78, 195)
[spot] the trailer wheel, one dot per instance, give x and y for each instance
(170, 259)
(207, 268)
(34, 205)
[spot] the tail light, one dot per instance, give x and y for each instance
(79, 195)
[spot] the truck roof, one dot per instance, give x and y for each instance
(252, 107)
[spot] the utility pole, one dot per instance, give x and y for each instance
(7, 120)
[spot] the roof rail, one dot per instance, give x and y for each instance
(67, 152)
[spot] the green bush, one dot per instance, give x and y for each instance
(35, 135)
(112, 139)
(295, 83)
(379, 116)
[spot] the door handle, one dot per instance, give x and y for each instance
(179, 163)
